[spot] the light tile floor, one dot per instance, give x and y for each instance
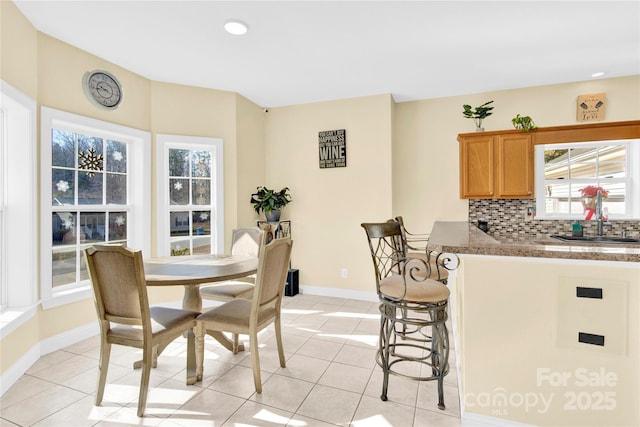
(331, 379)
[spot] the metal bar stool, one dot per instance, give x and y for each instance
(415, 246)
(413, 310)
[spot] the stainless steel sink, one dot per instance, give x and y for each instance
(595, 239)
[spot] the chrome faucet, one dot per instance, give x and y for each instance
(602, 221)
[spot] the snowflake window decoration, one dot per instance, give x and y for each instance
(120, 220)
(202, 168)
(204, 216)
(62, 186)
(177, 186)
(117, 156)
(90, 161)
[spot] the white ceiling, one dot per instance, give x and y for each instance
(306, 51)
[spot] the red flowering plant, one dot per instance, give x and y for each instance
(592, 191)
(589, 194)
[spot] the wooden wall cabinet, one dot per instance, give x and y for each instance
(500, 165)
(496, 165)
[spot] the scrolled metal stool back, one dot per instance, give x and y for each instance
(413, 308)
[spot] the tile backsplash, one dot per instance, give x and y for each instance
(506, 217)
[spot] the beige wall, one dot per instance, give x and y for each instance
(250, 159)
(329, 204)
(18, 343)
(18, 50)
(61, 68)
(192, 111)
(425, 164)
(402, 159)
(425, 187)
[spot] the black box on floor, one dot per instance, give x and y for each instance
(291, 287)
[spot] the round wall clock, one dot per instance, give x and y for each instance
(102, 89)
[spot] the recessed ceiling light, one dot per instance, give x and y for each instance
(598, 74)
(235, 27)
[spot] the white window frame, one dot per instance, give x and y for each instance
(18, 197)
(138, 194)
(163, 144)
(632, 178)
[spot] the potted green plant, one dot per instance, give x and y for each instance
(478, 113)
(524, 123)
(270, 202)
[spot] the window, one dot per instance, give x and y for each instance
(190, 195)
(3, 208)
(565, 170)
(95, 190)
(18, 224)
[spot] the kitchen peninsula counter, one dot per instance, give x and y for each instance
(520, 317)
(464, 238)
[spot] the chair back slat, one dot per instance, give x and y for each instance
(272, 271)
(386, 247)
(412, 241)
(117, 278)
(246, 241)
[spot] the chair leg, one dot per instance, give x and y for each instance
(191, 357)
(103, 367)
(404, 325)
(154, 357)
(236, 339)
(199, 350)
(440, 358)
(386, 328)
(283, 362)
(255, 360)
(399, 323)
(147, 362)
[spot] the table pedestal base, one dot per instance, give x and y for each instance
(226, 342)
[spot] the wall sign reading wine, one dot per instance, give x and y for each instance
(333, 148)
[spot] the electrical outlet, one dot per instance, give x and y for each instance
(529, 214)
(344, 273)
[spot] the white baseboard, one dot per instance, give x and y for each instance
(484, 420)
(339, 293)
(13, 374)
(57, 342)
(46, 346)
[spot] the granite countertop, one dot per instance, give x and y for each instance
(464, 238)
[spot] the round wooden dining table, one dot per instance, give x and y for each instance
(191, 271)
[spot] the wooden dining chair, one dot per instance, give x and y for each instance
(125, 318)
(244, 241)
(243, 316)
